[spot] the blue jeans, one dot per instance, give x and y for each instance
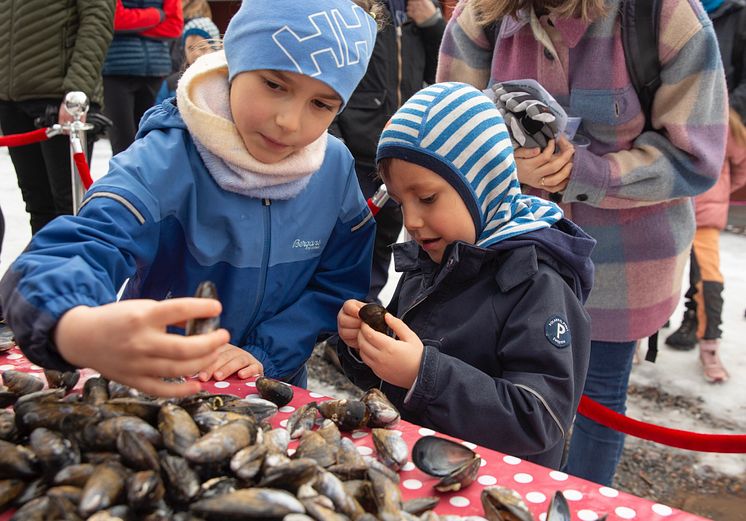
(595, 450)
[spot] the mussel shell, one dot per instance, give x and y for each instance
(21, 383)
(9, 490)
(103, 489)
(144, 489)
(182, 483)
(96, 390)
(558, 509)
(373, 314)
(382, 411)
(275, 391)
(302, 420)
(460, 478)
(504, 504)
(178, 429)
(392, 449)
(53, 450)
(347, 414)
(439, 456)
(249, 503)
(199, 326)
(222, 443)
(61, 379)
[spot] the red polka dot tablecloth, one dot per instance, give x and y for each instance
(588, 501)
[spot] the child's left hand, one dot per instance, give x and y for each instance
(232, 359)
(394, 360)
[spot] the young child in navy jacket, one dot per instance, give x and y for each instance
(492, 341)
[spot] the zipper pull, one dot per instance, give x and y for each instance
(266, 202)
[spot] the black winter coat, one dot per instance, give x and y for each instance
(496, 369)
(729, 22)
(404, 60)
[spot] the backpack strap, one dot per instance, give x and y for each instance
(640, 30)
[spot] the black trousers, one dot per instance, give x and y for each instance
(126, 98)
(43, 169)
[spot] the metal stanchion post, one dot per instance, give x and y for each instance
(76, 104)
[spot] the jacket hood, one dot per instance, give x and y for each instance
(161, 117)
(568, 245)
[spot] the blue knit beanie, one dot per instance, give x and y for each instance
(201, 26)
(455, 131)
(330, 40)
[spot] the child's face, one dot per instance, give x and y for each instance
(278, 113)
(434, 213)
(195, 46)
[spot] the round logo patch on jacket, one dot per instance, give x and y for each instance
(557, 331)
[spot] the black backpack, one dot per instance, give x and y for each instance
(639, 36)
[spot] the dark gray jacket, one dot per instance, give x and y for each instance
(506, 340)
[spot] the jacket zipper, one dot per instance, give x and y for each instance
(266, 203)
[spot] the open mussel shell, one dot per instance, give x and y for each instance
(504, 504)
(275, 391)
(439, 456)
(373, 314)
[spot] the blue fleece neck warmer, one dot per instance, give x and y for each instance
(711, 5)
(330, 40)
(455, 131)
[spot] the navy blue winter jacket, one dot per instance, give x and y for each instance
(506, 340)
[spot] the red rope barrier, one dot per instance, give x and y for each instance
(83, 171)
(723, 443)
(17, 140)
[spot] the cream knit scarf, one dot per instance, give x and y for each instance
(204, 103)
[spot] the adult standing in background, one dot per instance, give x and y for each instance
(138, 59)
(631, 188)
(50, 48)
(704, 304)
(404, 60)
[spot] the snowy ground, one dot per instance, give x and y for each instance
(675, 372)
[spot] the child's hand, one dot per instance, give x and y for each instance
(231, 359)
(127, 342)
(545, 170)
(420, 10)
(395, 360)
(348, 322)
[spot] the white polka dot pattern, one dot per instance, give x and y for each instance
(412, 484)
(459, 501)
(365, 451)
(625, 512)
(512, 460)
(556, 475)
(608, 492)
(572, 495)
(535, 497)
(587, 515)
(287, 408)
(426, 432)
(222, 385)
(522, 477)
(662, 510)
(487, 480)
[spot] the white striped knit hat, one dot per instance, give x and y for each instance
(455, 130)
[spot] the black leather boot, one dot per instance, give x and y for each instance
(685, 338)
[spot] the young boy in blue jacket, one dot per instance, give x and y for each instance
(237, 183)
(492, 341)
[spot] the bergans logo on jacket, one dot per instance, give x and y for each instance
(307, 245)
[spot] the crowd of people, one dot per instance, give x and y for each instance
(531, 273)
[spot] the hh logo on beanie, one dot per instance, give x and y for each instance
(330, 40)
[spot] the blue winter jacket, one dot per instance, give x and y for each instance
(506, 339)
(282, 268)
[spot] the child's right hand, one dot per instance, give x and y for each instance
(348, 322)
(543, 169)
(127, 342)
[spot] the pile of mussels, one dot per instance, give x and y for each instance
(110, 453)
